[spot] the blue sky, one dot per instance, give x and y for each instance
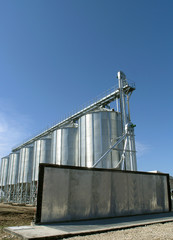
(57, 55)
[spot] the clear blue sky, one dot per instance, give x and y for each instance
(56, 55)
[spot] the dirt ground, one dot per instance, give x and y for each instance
(14, 216)
(21, 215)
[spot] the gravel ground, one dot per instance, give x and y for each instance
(155, 231)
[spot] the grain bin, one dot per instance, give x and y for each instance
(25, 165)
(65, 146)
(97, 132)
(4, 170)
(12, 177)
(42, 151)
(25, 174)
(13, 168)
(4, 177)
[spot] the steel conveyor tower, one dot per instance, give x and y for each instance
(128, 156)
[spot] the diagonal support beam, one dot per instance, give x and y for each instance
(110, 149)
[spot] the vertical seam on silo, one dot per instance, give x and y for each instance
(92, 138)
(62, 136)
(111, 137)
(85, 147)
(55, 146)
(101, 138)
(23, 165)
(79, 142)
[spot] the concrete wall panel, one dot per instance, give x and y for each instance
(73, 193)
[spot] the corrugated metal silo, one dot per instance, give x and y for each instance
(97, 132)
(25, 174)
(12, 176)
(1, 171)
(4, 177)
(42, 152)
(25, 165)
(4, 170)
(65, 146)
(13, 168)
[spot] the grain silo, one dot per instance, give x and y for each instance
(25, 174)
(99, 135)
(4, 176)
(98, 130)
(12, 177)
(41, 154)
(65, 146)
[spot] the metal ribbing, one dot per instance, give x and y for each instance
(65, 146)
(13, 168)
(25, 165)
(42, 152)
(98, 131)
(4, 171)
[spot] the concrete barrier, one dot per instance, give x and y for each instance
(75, 193)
